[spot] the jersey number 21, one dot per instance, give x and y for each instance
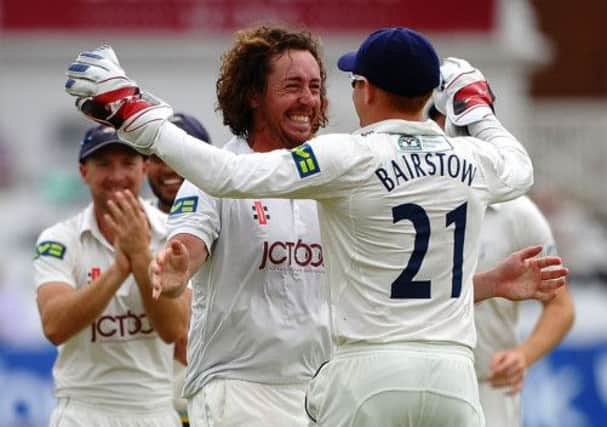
(404, 286)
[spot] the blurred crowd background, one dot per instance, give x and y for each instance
(546, 61)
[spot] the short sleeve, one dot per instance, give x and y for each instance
(195, 213)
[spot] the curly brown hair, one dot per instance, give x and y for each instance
(245, 67)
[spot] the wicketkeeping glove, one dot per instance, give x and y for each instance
(464, 95)
(105, 94)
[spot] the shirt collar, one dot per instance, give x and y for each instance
(428, 127)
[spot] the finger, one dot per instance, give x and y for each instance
(156, 291)
(503, 364)
(499, 382)
(87, 70)
(552, 285)
(506, 380)
(126, 205)
(132, 201)
(529, 252)
(547, 261)
(497, 360)
(515, 370)
(500, 370)
(161, 258)
(80, 87)
(110, 221)
(115, 211)
(178, 248)
(554, 273)
(155, 268)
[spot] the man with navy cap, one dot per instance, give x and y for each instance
(399, 204)
(114, 362)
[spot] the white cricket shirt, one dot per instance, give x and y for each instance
(400, 208)
(508, 227)
(260, 312)
(119, 360)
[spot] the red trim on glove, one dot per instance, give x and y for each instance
(478, 93)
(116, 95)
(132, 106)
(128, 100)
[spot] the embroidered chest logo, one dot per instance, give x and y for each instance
(260, 212)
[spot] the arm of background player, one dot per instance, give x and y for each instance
(174, 265)
(65, 311)
(521, 276)
(508, 367)
(552, 326)
(169, 317)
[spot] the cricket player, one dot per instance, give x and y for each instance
(260, 323)
(114, 362)
(399, 205)
(500, 360)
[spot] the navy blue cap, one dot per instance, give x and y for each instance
(96, 138)
(397, 60)
(190, 125)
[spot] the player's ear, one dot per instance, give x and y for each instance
(369, 92)
(82, 167)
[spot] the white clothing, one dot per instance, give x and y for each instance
(500, 409)
(70, 412)
(432, 384)
(118, 361)
(226, 403)
(508, 227)
(260, 312)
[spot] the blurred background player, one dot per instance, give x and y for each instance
(260, 320)
(114, 363)
(164, 183)
(501, 361)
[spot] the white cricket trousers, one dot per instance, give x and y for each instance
(500, 409)
(396, 385)
(235, 403)
(72, 413)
